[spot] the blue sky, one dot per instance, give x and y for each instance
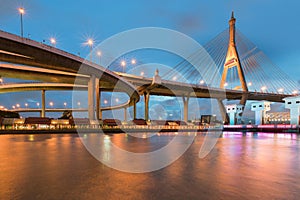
(272, 25)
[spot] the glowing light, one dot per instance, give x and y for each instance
(38, 104)
(1, 80)
(53, 41)
(21, 10)
(225, 84)
(78, 103)
(202, 82)
(105, 101)
(142, 73)
(13, 107)
(250, 84)
(99, 53)
(18, 105)
(133, 61)
(174, 78)
(280, 90)
(51, 103)
(264, 88)
(117, 99)
(295, 92)
(90, 42)
(65, 104)
(123, 63)
(26, 105)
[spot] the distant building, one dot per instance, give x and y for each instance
(278, 118)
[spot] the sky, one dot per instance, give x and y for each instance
(272, 25)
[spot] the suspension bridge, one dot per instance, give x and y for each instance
(243, 72)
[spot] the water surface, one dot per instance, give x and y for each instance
(241, 166)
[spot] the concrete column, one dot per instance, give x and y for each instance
(260, 109)
(186, 108)
(146, 97)
(134, 109)
(91, 98)
(293, 103)
(43, 113)
(223, 111)
(125, 114)
(234, 111)
(98, 99)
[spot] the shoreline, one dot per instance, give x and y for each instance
(225, 128)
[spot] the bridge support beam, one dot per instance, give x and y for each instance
(43, 113)
(186, 108)
(98, 99)
(146, 98)
(134, 109)
(223, 111)
(260, 109)
(91, 97)
(293, 104)
(234, 113)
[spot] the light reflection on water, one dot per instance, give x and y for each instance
(241, 166)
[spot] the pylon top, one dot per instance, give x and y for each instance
(232, 15)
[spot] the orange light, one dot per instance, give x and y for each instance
(21, 10)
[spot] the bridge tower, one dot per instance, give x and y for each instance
(232, 60)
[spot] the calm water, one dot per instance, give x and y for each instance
(249, 166)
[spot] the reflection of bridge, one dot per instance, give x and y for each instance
(27, 59)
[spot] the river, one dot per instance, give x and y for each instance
(240, 166)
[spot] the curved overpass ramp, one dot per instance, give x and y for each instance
(18, 50)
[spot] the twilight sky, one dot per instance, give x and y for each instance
(272, 25)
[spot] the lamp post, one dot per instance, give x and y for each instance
(99, 54)
(53, 41)
(21, 11)
(133, 61)
(123, 64)
(90, 43)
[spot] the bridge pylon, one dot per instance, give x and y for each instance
(232, 60)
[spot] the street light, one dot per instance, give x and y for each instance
(133, 61)
(99, 54)
(105, 101)
(65, 104)
(225, 84)
(123, 64)
(90, 43)
(201, 82)
(53, 41)
(1, 80)
(21, 11)
(18, 105)
(263, 88)
(51, 104)
(280, 90)
(26, 105)
(250, 84)
(38, 104)
(295, 92)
